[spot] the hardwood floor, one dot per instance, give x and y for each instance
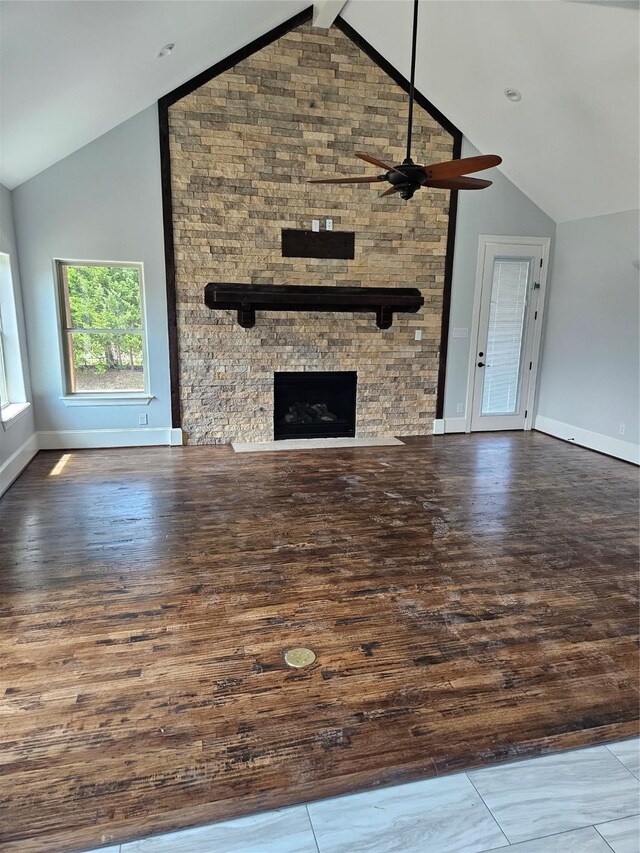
(469, 599)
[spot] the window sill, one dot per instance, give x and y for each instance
(107, 399)
(12, 413)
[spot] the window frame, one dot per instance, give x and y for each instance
(70, 395)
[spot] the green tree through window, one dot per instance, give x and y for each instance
(102, 322)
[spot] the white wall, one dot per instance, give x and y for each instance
(503, 210)
(590, 376)
(101, 203)
(17, 441)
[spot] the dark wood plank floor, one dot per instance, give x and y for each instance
(470, 599)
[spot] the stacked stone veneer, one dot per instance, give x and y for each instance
(242, 147)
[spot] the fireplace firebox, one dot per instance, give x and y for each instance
(317, 404)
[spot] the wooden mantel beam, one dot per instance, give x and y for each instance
(246, 299)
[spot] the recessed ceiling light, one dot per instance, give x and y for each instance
(513, 94)
(165, 51)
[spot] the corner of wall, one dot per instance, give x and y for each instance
(15, 464)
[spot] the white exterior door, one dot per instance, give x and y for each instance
(508, 333)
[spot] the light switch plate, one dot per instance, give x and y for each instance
(418, 335)
(315, 224)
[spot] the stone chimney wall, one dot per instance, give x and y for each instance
(242, 148)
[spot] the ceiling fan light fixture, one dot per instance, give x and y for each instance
(166, 50)
(513, 95)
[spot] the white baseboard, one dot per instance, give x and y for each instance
(177, 437)
(441, 426)
(17, 462)
(455, 424)
(81, 439)
(74, 439)
(593, 440)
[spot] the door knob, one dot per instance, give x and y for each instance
(482, 364)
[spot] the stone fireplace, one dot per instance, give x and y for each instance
(242, 146)
(314, 404)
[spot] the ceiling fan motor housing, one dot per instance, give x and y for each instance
(409, 177)
(408, 173)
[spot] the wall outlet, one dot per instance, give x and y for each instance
(315, 224)
(418, 335)
(460, 408)
(621, 429)
(143, 419)
(328, 224)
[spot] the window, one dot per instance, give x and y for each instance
(505, 335)
(4, 390)
(13, 400)
(102, 327)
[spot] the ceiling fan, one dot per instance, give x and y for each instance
(407, 177)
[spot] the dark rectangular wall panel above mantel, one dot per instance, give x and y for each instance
(246, 299)
(298, 243)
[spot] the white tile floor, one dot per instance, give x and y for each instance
(583, 801)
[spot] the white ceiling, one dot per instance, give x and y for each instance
(571, 144)
(70, 71)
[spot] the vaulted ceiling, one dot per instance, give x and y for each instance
(571, 144)
(70, 71)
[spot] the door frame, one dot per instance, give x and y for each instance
(544, 244)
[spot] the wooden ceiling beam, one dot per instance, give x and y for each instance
(326, 11)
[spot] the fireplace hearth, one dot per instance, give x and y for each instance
(314, 404)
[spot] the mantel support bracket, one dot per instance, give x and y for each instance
(384, 317)
(246, 315)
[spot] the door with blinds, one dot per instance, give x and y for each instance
(506, 348)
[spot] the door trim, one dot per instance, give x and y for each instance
(544, 243)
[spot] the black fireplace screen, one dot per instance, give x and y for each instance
(318, 404)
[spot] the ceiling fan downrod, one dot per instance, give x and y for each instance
(414, 43)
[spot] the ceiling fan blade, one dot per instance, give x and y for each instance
(360, 180)
(386, 166)
(455, 168)
(459, 184)
(380, 163)
(390, 191)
